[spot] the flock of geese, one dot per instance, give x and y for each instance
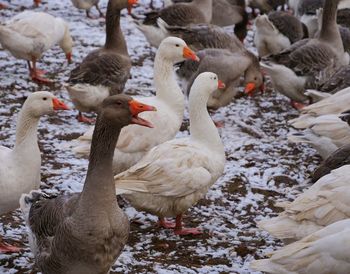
(132, 152)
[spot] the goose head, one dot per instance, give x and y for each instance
(264, 25)
(122, 4)
(122, 110)
(205, 84)
(42, 102)
(175, 50)
(253, 77)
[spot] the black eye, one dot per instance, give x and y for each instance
(255, 78)
(44, 98)
(214, 78)
(118, 103)
(177, 45)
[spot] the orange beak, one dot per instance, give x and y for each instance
(69, 57)
(130, 4)
(58, 105)
(37, 2)
(189, 54)
(221, 84)
(249, 88)
(136, 108)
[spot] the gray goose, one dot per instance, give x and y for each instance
(338, 81)
(179, 14)
(308, 62)
(202, 36)
(84, 233)
(229, 67)
(104, 71)
(277, 31)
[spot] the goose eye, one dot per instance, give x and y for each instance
(45, 98)
(255, 78)
(177, 45)
(118, 103)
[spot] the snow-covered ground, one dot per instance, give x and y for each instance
(262, 167)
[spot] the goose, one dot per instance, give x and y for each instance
(277, 31)
(104, 71)
(324, 203)
(179, 14)
(20, 168)
(29, 34)
(85, 232)
(87, 5)
(203, 36)
(309, 61)
(322, 252)
(229, 67)
(169, 100)
(338, 158)
(338, 81)
(175, 175)
(265, 6)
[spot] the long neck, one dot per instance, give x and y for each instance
(99, 188)
(202, 127)
(114, 36)
(329, 31)
(205, 6)
(26, 131)
(167, 88)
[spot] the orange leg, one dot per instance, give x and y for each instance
(83, 119)
(165, 224)
(180, 230)
(36, 74)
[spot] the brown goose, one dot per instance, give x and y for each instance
(229, 67)
(338, 81)
(179, 14)
(309, 61)
(84, 233)
(104, 71)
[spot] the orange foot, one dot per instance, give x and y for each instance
(84, 119)
(297, 105)
(163, 223)
(188, 231)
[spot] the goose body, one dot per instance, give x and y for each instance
(169, 101)
(311, 61)
(338, 81)
(229, 67)
(104, 71)
(173, 176)
(20, 168)
(179, 14)
(87, 5)
(325, 251)
(84, 232)
(276, 32)
(30, 34)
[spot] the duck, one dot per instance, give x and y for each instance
(229, 67)
(178, 14)
(176, 174)
(104, 71)
(309, 61)
(324, 251)
(87, 5)
(20, 168)
(277, 31)
(203, 36)
(169, 100)
(338, 158)
(324, 203)
(85, 232)
(30, 34)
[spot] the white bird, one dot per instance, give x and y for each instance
(20, 166)
(29, 34)
(175, 175)
(169, 101)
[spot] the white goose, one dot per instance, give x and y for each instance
(169, 101)
(325, 202)
(20, 167)
(323, 252)
(175, 175)
(29, 34)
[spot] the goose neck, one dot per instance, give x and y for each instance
(167, 88)
(202, 127)
(99, 179)
(26, 131)
(114, 36)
